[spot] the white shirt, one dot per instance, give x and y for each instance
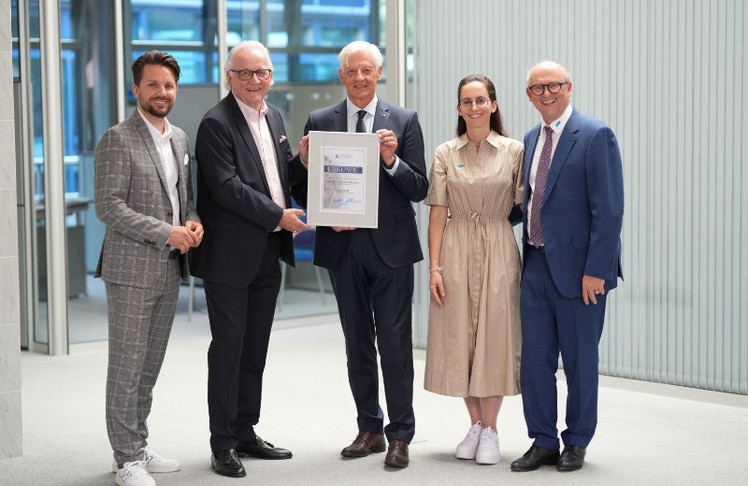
(557, 126)
(169, 164)
(370, 110)
(258, 126)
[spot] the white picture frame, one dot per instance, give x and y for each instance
(343, 179)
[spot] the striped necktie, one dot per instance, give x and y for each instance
(538, 194)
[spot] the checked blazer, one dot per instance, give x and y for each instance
(131, 198)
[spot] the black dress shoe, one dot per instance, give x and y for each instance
(262, 450)
(534, 458)
(397, 454)
(227, 463)
(571, 459)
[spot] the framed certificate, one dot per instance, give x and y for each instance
(343, 179)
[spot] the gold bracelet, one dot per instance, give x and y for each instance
(437, 269)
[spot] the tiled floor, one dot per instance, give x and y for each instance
(648, 434)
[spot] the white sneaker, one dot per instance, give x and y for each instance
(154, 463)
(157, 464)
(466, 448)
(133, 474)
(488, 449)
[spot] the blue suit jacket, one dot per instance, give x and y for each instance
(396, 239)
(583, 206)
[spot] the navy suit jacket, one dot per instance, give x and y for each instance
(583, 206)
(396, 238)
(233, 195)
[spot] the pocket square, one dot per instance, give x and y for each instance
(282, 139)
(186, 159)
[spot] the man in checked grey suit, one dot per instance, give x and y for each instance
(143, 193)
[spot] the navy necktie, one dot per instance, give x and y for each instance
(360, 127)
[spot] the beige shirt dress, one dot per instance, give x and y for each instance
(474, 341)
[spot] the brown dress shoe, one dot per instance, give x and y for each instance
(364, 444)
(397, 454)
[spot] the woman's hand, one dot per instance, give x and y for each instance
(436, 287)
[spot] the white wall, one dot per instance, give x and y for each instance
(10, 327)
(670, 77)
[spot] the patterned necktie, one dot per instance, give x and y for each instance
(360, 127)
(538, 194)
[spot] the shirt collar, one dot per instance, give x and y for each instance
(493, 138)
(371, 108)
(248, 111)
(154, 131)
(558, 125)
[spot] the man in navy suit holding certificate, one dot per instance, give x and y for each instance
(372, 269)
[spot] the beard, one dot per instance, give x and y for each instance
(148, 107)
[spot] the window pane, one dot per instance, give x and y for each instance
(14, 38)
(184, 28)
(34, 19)
(192, 66)
(167, 20)
(309, 33)
(67, 26)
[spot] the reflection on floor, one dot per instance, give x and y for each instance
(88, 321)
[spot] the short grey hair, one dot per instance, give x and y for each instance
(360, 46)
(249, 45)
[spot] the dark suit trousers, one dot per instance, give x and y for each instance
(375, 303)
(552, 323)
(240, 324)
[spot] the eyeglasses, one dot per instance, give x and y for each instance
(480, 102)
(246, 74)
(553, 88)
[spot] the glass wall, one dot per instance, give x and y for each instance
(304, 37)
(32, 213)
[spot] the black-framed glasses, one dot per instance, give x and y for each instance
(553, 88)
(246, 74)
(480, 102)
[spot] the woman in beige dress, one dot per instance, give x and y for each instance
(474, 338)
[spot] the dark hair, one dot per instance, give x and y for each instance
(497, 124)
(154, 57)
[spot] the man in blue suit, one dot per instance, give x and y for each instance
(371, 270)
(572, 252)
